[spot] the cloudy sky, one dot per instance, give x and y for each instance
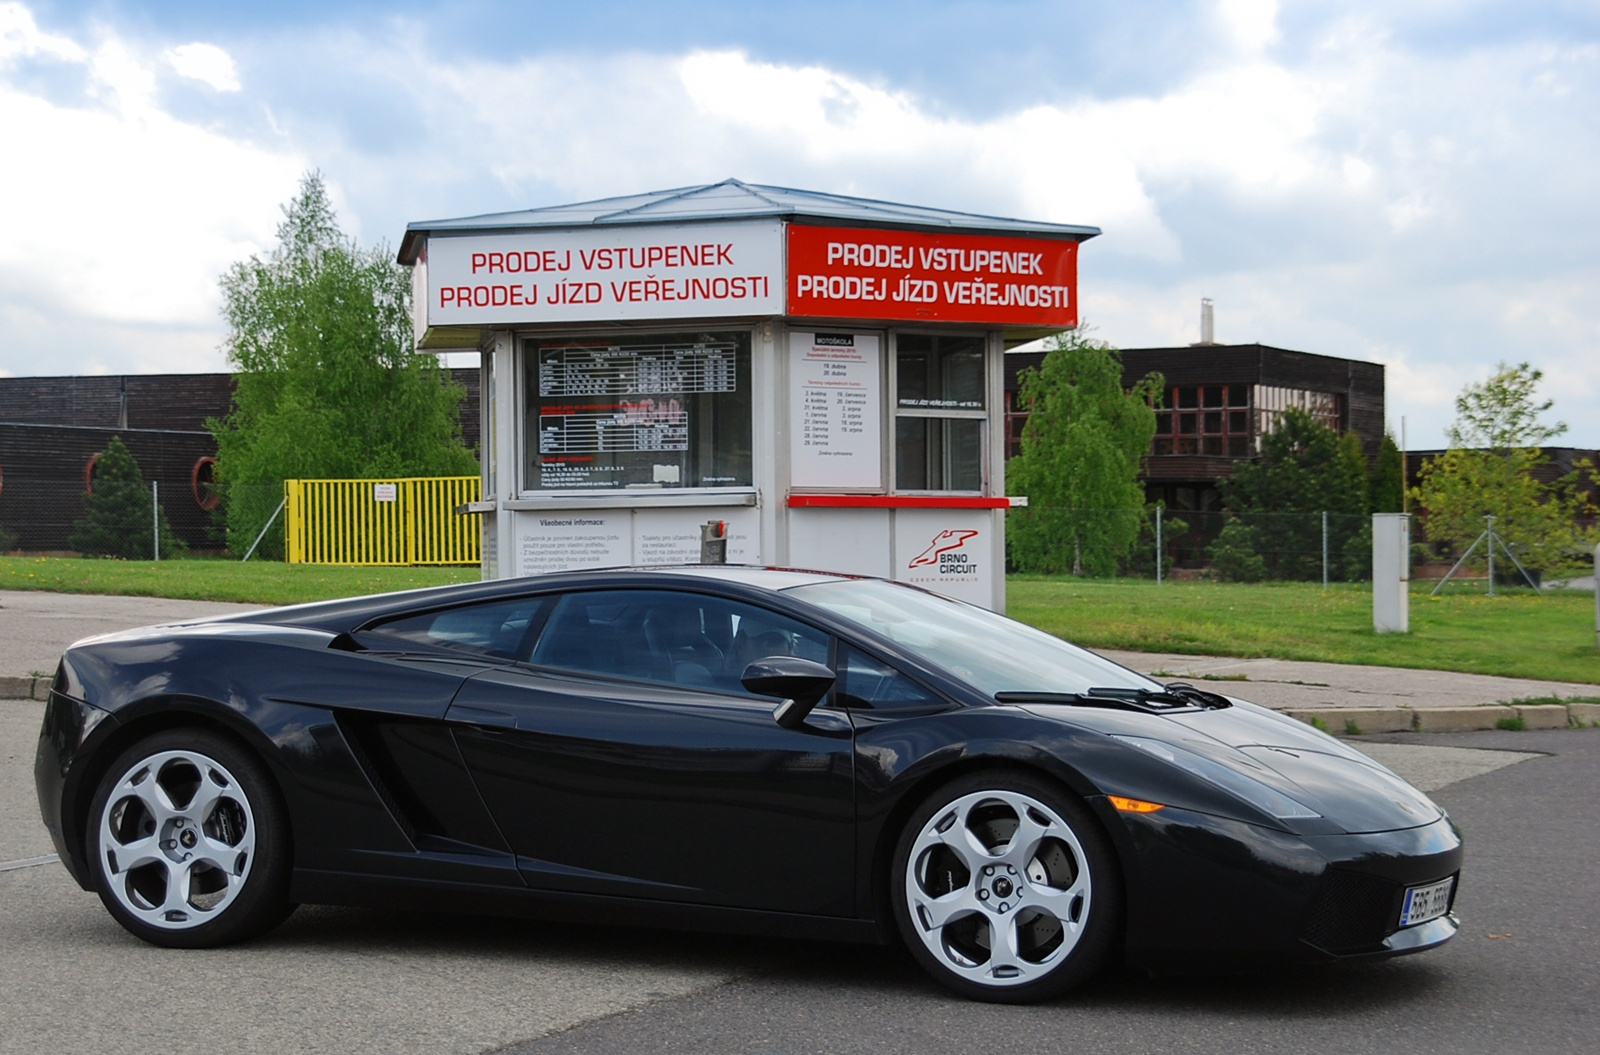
(1414, 184)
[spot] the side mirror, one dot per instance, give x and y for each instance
(801, 682)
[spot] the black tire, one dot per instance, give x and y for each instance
(1006, 855)
(188, 841)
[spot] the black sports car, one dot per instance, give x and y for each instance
(728, 748)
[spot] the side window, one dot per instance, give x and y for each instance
(498, 629)
(940, 410)
(869, 684)
(676, 638)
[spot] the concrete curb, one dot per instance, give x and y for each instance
(1352, 721)
(24, 688)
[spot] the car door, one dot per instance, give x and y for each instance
(626, 758)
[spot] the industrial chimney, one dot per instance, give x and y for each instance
(1207, 330)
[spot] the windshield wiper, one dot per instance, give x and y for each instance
(1154, 701)
(1210, 700)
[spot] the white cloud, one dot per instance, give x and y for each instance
(1049, 163)
(1253, 24)
(20, 37)
(1340, 191)
(123, 79)
(118, 211)
(205, 63)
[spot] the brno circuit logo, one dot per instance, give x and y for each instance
(947, 554)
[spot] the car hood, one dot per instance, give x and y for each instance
(1344, 786)
(1333, 778)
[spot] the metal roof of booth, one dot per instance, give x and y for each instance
(732, 200)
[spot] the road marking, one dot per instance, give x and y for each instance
(32, 862)
(1430, 767)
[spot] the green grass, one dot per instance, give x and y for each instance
(255, 582)
(1516, 634)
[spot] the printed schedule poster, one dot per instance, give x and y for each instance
(628, 415)
(836, 411)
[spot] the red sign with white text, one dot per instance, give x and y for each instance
(917, 276)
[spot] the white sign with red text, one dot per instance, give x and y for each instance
(605, 275)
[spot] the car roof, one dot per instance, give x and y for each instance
(344, 614)
(763, 578)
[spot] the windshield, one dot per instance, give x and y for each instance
(992, 653)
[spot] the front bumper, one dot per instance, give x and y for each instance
(68, 733)
(1210, 889)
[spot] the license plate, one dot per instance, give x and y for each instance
(1426, 902)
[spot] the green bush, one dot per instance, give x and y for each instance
(118, 521)
(1140, 560)
(1234, 555)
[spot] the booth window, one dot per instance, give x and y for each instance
(940, 412)
(645, 411)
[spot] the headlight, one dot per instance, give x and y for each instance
(1262, 796)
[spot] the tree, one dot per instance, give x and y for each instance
(1460, 489)
(1387, 487)
(1491, 470)
(1305, 470)
(118, 522)
(1352, 471)
(327, 382)
(1502, 413)
(1079, 462)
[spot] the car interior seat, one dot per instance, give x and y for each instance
(675, 639)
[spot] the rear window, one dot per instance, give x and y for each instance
(499, 629)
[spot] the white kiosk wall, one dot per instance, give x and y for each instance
(823, 374)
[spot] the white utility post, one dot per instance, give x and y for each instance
(1391, 573)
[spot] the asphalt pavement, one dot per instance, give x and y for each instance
(36, 627)
(1522, 976)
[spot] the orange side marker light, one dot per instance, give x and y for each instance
(1127, 805)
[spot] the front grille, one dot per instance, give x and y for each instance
(1354, 913)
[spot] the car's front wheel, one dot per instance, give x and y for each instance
(188, 841)
(1006, 889)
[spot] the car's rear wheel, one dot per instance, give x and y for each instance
(1006, 889)
(188, 841)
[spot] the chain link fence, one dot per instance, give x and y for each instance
(1326, 547)
(47, 516)
(42, 516)
(1214, 545)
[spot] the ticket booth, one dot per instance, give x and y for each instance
(822, 374)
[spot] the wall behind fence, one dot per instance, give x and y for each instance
(40, 515)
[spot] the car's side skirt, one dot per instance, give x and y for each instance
(315, 887)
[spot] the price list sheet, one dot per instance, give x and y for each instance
(836, 411)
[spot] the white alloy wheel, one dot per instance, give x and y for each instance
(1006, 889)
(183, 836)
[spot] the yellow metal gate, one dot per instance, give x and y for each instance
(409, 521)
